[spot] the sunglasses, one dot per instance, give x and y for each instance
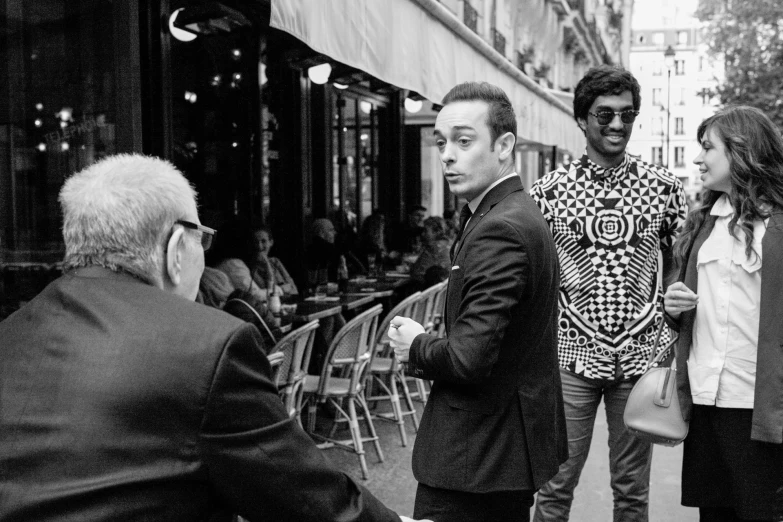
(207, 234)
(606, 117)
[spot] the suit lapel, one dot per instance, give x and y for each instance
(771, 281)
(490, 200)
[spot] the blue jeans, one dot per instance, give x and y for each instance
(629, 458)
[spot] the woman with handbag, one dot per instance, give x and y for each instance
(729, 312)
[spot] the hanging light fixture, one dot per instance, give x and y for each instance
(319, 73)
(339, 85)
(413, 106)
(365, 106)
(176, 32)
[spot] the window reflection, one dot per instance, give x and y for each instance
(57, 116)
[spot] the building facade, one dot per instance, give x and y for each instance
(677, 77)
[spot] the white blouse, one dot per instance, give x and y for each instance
(722, 361)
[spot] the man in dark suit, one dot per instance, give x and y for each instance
(122, 399)
(493, 430)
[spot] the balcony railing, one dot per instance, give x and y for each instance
(499, 42)
(470, 17)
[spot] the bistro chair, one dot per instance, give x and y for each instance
(385, 368)
(424, 312)
(341, 382)
(435, 324)
(291, 355)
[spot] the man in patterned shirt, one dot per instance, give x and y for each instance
(613, 218)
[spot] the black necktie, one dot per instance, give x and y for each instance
(464, 216)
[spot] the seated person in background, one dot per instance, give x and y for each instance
(434, 275)
(452, 223)
(234, 253)
(323, 257)
(214, 288)
(435, 249)
(269, 271)
(372, 243)
(407, 237)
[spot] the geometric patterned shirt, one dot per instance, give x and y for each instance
(611, 227)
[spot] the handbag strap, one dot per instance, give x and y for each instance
(681, 277)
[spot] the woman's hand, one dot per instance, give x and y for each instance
(678, 299)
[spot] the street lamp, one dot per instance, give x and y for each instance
(668, 61)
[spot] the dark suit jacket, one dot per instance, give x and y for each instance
(119, 401)
(768, 394)
(494, 420)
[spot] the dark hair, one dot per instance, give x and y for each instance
(437, 225)
(263, 228)
(417, 208)
(500, 116)
(754, 148)
(604, 80)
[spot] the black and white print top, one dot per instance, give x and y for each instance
(610, 226)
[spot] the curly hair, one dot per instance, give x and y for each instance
(755, 151)
(604, 80)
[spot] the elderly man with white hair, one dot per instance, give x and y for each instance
(122, 399)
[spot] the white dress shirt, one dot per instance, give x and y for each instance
(722, 361)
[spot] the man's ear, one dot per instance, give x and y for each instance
(582, 124)
(174, 256)
(506, 142)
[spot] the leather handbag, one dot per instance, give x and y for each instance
(652, 412)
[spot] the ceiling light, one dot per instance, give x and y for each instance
(176, 32)
(319, 73)
(413, 106)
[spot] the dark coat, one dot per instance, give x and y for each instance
(119, 401)
(768, 394)
(494, 420)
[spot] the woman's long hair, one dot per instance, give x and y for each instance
(754, 148)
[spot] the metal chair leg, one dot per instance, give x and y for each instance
(371, 427)
(408, 399)
(356, 435)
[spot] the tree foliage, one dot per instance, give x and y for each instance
(748, 34)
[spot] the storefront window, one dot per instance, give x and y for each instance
(354, 159)
(57, 115)
(217, 112)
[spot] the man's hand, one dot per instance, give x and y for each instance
(402, 331)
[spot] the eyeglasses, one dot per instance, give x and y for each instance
(606, 117)
(207, 234)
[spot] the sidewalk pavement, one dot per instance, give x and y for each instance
(393, 483)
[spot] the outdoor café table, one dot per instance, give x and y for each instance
(377, 286)
(318, 308)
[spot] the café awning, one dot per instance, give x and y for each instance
(422, 46)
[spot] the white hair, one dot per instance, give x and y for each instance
(118, 212)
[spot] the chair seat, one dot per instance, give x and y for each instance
(336, 386)
(383, 365)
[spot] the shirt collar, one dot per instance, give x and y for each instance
(474, 203)
(599, 173)
(722, 207)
